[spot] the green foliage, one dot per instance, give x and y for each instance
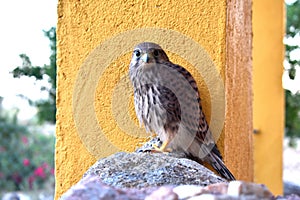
(293, 18)
(26, 159)
(292, 114)
(292, 29)
(46, 108)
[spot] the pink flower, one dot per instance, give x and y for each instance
(40, 172)
(24, 140)
(26, 162)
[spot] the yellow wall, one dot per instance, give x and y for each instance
(94, 43)
(268, 106)
(238, 83)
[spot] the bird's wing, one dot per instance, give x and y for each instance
(170, 103)
(195, 120)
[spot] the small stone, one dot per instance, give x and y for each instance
(163, 193)
(241, 188)
(15, 196)
(218, 188)
(292, 197)
(213, 197)
(186, 191)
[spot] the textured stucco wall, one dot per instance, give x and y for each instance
(268, 105)
(93, 57)
(238, 84)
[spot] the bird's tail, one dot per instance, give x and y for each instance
(217, 163)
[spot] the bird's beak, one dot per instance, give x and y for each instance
(145, 57)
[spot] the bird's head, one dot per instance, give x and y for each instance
(146, 54)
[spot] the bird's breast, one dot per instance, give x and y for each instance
(149, 109)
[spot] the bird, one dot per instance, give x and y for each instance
(167, 102)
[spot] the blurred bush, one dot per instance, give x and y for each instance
(292, 99)
(46, 108)
(26, 157)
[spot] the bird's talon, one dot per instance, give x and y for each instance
(161, 149)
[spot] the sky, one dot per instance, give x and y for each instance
(22, 24)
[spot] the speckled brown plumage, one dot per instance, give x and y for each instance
(167, 102)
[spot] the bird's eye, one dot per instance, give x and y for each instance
(137, 53)
(155, 53)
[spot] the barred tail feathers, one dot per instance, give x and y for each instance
(217, 163)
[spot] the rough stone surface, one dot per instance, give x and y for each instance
(291, 188)
(91, 187)
(140, 170)
(157, 176)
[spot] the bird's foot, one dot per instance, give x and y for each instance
(162, 149)
(155, 146)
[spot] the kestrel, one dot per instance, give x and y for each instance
(167, 102)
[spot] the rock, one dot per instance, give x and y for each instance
(140, 170)
(188, 191)
(291, 188)
(15, 196)
(91, 187)
(232, 190)
(288, 197)
(292, 197)
(159, 176)
(240, 188)
(163, 193)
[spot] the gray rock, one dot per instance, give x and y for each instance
(140, 170)
(162, 193)
(92, 188)
(15, 196)
(159, 176)
(247, 190)
(291, 188)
